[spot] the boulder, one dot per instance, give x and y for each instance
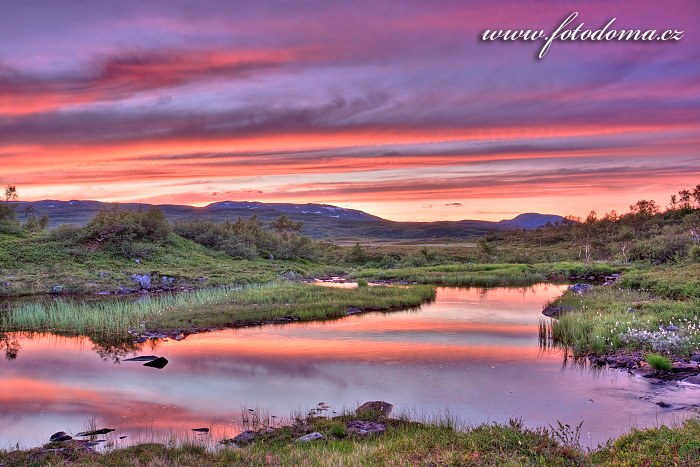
(143, 280)
(580, 288)
(375, 409)
(242, 439)
(57, 289)
(310, 437)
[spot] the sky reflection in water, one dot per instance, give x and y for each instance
(473, 352)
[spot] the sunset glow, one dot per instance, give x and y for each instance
(394, 108)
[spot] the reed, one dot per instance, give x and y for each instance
(225, 306)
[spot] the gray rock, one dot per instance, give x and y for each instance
(695, 357)
(242, 439)
(632, 310)
(672, 328)
(142, 280)
(692, 380)
(102, 274)
(365, 428)
(554, 311)
(57, 289)
(580, 288)
(137, 261)
(5, 284)
(376, 408)
(310, 437)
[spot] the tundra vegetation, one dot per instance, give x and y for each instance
(249, 271)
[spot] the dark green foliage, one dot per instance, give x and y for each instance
(128, 233)
(356, 254)
(8, 214)
(644, 234)
(251, 238)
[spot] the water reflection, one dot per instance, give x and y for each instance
(472, 351)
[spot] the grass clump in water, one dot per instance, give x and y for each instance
(658, 362)
(216, 307)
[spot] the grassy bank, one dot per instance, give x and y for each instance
(655, 309)
(483, 275)
(404, 443)
(213, 307)
(31, 265)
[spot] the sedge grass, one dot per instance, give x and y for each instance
(225, 306)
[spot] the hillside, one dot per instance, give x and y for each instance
(321, 221)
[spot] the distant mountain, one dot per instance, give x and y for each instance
(320, 220)
(531, 220)
(325, 210)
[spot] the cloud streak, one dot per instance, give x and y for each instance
(340, 97)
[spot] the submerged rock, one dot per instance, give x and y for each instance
(101, 431)
(141, 358)
(554, 311)
(60, 436)
(159, 363)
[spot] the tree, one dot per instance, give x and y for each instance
(7, 209)
(285, 227)
(645, 208)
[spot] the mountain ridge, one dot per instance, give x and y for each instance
(320, 220)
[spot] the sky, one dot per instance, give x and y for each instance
(399, 109)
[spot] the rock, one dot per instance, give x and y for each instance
(102, 431)
(365, 428)
(663, 405)
(692, 380)
(695, 357)
(310, 437)
(353, 310)
(60, 436)
(201, 430)
(102, 274)
(580, 288)
(137, 261)
(375, 409)
(632, 310)
(142, 358)
(607, 283)
(242, 439)
(167, 281)
(672, 328)
(683, 367)
(142, 280)
(5, 284)
(159, 363)
(57, 289)
(554, 311)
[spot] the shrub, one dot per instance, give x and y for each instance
(658, 362)
(125, 232)
(694, 253)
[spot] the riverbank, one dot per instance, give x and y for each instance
(209, 308)
(369, 438)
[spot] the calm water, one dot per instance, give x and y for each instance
(473, 352)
